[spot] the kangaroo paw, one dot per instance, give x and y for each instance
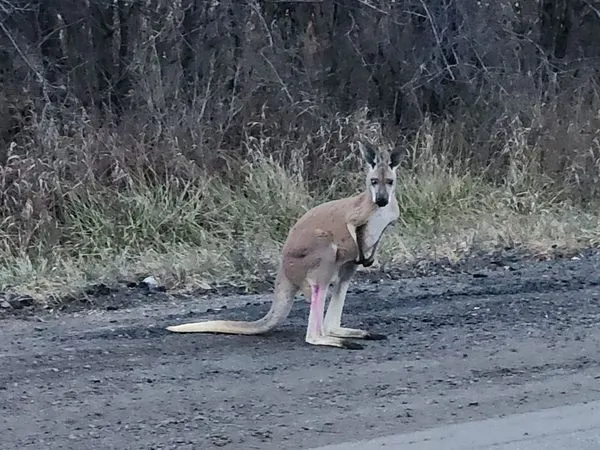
(354, 333)
(331, 341)
(368, 262)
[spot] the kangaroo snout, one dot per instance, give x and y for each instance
(381, 201)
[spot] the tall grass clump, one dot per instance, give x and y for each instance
(183, 228)
(67, 224)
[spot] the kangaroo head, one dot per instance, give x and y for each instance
(381, 172)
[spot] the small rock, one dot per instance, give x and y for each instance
(205, 286)
(150, 282)
(220, 440)
(150, 285)
(263, 435)
(473, 403)
(5, 305)
(21, 302)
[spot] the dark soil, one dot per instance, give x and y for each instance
(470, 342)
(130, 293)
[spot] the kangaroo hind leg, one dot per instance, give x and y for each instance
(314, 332)
(333, 318)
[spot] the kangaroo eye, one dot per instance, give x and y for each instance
(374, 181)
(389, 181)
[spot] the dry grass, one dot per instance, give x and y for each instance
(66, 225)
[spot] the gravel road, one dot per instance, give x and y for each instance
(460, 347)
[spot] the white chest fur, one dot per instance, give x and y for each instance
(377, 224)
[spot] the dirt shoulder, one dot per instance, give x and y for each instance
(461, 346)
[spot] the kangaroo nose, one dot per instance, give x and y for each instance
(381, 201)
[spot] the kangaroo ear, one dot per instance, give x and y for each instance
(368, 153)
(395, 158)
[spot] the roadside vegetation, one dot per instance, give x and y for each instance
(184, 143)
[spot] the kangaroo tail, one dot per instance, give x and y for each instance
(280, 308)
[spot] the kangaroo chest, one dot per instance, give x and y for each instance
(377, 224)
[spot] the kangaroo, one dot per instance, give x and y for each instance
(323, 249)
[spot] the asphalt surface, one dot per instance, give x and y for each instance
(575, 427)
(461, 348)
